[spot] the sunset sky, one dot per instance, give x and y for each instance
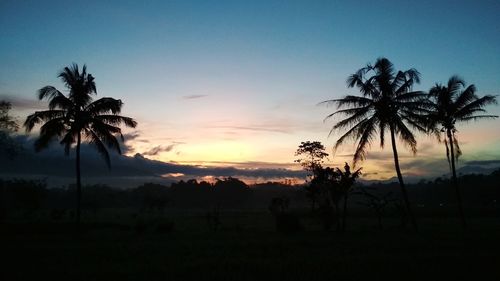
(237, 83)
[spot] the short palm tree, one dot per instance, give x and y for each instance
(347, 179)
(77, 117)
(450, 104)
(388, 104)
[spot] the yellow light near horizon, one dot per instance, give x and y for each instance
(222, 151)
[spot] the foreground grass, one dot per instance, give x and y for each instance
(247, 248)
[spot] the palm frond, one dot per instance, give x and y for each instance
(51, 129)
(350, 134)
(106, 134)
(355, 118)
(48, 92)
(41, 116)
(70, 75)
(476, 117)
(410, 96)
(365, 136)
(99, 145)
(60, 101)
(69, 138)
(455, 83)
(475, 106)
(116, 120)
(104, 106)
(405, 135)
(399, 80)
(465, 97)
(349, 100)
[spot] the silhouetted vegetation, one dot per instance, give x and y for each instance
(25, 198)
(8, 125)
(311, 156)
(451, 104)
(387, 103)
(77, 117)
(130, 232)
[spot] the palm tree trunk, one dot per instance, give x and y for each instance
(337, 217)
(455, 181)
(344, 213)
(78, 181)
(401, 183)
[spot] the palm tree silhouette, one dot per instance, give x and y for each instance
(77, 117)
(451, 104)
(387, 103)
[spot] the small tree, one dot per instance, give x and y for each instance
(326, 180)
(312, 155)
(8, 125)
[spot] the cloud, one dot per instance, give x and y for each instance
(255, 128)
(192, 97)
(246, 164)
(483, 162)
(131, 136)
(19, 103)
(53, 164)
(159, 148)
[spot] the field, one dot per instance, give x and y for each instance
(248, 247)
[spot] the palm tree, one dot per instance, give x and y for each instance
(76, 117)
(387, 103)
(451, 104)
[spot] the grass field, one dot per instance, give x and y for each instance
(247, 247)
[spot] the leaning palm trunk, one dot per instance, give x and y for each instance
(401, 182)
(337, 217)
(344, 213)
(78, 182)
(455, 181)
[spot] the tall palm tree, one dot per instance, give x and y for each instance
(77, 117)
(450, 104)
(388, 104)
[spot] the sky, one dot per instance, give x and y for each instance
(237, 83)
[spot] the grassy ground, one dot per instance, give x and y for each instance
(247, 247)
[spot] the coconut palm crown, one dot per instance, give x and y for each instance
(452, 104)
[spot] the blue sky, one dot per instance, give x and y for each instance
(239, 81)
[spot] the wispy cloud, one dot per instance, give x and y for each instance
(19, 103)
(192, 97)
(254, 128)
(159, 148)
